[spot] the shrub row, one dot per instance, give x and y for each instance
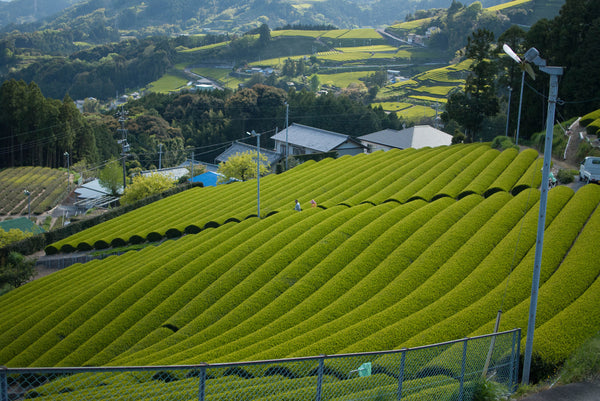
(513, 172)
(417, 237)
(468, 174)
(343, 182)
(295, 270)
(180, 296)
(489, 174)
(488, 283)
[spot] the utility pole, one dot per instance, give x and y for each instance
(287, 145)
(123, 141)
(192, 168)
(160, 145)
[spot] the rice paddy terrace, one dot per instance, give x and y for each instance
(406, 248)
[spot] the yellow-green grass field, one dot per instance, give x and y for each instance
(393, 106)
(417, 112)
(167, 83)
(508, 5)
(343, 79)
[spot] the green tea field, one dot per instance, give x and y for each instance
(406, 248)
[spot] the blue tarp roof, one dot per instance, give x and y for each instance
(207, 179)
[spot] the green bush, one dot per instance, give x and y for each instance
(565, 176)
(84, 246)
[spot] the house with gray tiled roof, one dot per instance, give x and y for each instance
(302, 139)
(419, 136)
(240, 147)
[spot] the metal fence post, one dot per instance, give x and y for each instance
(517, 358)
(401, 373)
(202, 382)
(320, 377)
(3, 384)
(461, 392)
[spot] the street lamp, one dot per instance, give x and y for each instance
(253, 133)
(533, 56)
(26, 192)
(525, 66)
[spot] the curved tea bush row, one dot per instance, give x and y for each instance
(47, 187)
(532, 178)
(492, 270)
(295, 320)
(143, 297)
(490, 173)
(567, 279)
(450, 173)
(295, 270)
(513, 172)
(338, 181)
(576, 276)
(468, 174)
(386, 306)
(181, 299)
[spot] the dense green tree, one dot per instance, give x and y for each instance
(242, 167)
(143, 186)
(111, 176)
(478, 100)
(16, 270)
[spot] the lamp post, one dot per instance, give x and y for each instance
(26, 192)
(287, 144)
(253, 133)
(533, 56)
(520, 107)
(508, 110)
(66, 154)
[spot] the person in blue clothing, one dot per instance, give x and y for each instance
(297, 207)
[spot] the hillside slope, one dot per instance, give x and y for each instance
(351, 276)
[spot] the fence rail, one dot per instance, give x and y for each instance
(452, 370)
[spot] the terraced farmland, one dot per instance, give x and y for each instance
(407, 248)
(47, 187)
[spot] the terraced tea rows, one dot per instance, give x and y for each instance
(396, 175)
(408, 248)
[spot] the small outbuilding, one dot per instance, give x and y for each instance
(419, 136)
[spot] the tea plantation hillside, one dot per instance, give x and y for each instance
(399, 176)
(379, 266)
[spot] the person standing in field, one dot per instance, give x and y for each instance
(297, 207)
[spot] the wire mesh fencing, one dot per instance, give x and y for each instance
(453, 370)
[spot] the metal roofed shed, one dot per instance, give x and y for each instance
(21, 223)
(419, 136)
(303, 139)
(240, 147)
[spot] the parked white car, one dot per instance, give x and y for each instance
(589, 170)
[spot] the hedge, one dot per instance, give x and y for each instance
(476, 300)
(410, 246)
(513, 172)
(468, 174)
(180, 296)
(193, 328)
(589, 117)
(484, 180)
(31, 338)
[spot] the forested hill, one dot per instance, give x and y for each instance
(191, 16)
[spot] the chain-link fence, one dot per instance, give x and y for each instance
(453, 370)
